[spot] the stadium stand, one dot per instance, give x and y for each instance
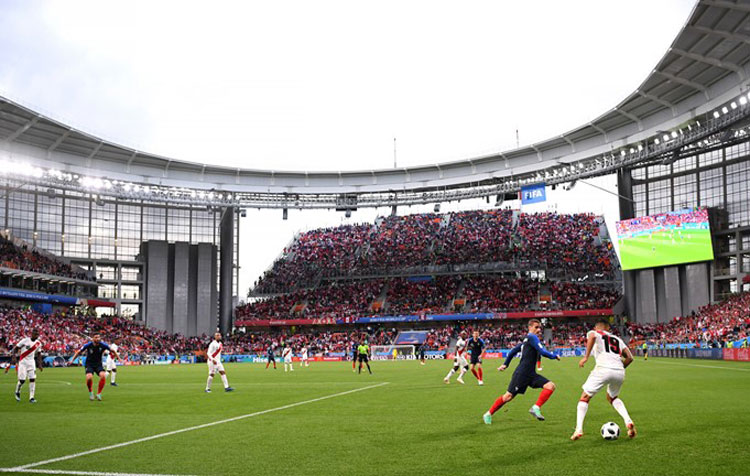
(23, 257)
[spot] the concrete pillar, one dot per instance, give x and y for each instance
(226, 249)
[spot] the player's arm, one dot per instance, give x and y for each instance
(484, 350)
(627, 357)
(534, 341)
(78, 352)
(590, 341)
(515, 350)
(38, 358)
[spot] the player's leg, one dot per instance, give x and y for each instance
(547, 389)
(473, 369)
(224, 379)
(21, 380)
(452, 371)
(481, 374)
(613, 397)
(32, 384)
(367, 363)
(499, 402)
(102, 382)
(581, 409)
(464, 369)
(268, 362)
(90, 383)
(210, 379)
(113, 373)
(539, 364)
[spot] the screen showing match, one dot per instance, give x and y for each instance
(667, 238)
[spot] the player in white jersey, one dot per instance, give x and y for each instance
(612, 357)
(27, 355)
(287, 354)
(460, 364)
(110, 364)
(305, 358)
(213, 357)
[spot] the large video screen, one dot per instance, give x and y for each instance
(667, 238)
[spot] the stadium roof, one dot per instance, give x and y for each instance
(705, 68)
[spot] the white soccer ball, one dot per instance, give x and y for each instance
(610, 431)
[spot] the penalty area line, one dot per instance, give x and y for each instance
(21, 468)
(83, 473)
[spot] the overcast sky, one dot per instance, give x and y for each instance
(327, 85)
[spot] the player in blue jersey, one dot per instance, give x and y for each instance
(525, 375)
(94, 350)
(270, 357)
(475, 345)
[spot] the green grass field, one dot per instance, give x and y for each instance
(659, 250)
(692, 418)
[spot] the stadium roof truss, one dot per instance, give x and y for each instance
(699, 88)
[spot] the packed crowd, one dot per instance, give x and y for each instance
(64, 332)
(26, 259)
(570, 296)
(566, 242)
(395, 243)
(429, 295)
(713, 325)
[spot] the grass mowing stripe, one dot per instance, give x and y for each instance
(197, 427)
(704, 366)
(83, 473)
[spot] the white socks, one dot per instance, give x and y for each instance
(450, 374)
(18, 386)
(461, 375)
(208, 382)
(113, 376)
(32, 388)
(583, 407)
(224, 380)
(620, 407)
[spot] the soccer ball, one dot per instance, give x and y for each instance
(610, 431)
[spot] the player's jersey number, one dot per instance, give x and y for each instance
(611, 344)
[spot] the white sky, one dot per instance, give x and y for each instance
(327, 85)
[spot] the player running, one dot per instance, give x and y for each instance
(270, 356)
(110, 365)
(363, 351)
(94, 351)
(213, 358)
(305, 357)
(612, 357)
(287, 354)
(459, 361)
(422, 353)
(524, 375)
(27, 355)
(476, 347)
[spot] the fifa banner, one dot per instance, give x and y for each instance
(533, 194)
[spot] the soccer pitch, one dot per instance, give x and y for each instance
(691, 416)
(659, 249)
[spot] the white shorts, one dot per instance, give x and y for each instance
(110, 365)
(214, 369)
(600, 376)
(460, 361)
(287, 360)
(304, 357)
(26, 371)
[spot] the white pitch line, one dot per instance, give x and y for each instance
(704, 366)
(197, 427)
(84, 473)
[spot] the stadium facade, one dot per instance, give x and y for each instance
(680, 139)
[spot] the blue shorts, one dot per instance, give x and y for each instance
(521, 381)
